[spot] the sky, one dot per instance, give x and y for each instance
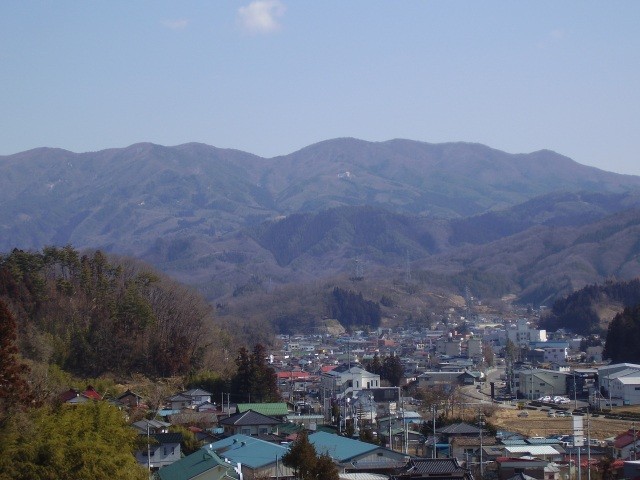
(272, 76)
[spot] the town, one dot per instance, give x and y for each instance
(431, 413)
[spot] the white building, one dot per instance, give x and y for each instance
(538, 383)
(607, 373)
(522, 333)
(346, 380)
(626, 389)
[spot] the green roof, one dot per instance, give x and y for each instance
(269, 409)
(195, 464)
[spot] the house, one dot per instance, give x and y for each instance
(145, 426)
(467, 449)
(356, 456)
(434, 469)
(460, 429)
(249, 423)
(346, 380)
(74, 397)
(198, 396)
(545, 452)
(180, 401)
(277, 410)
(130, 399)
(626, 443)
(204, 464)
(254, 458)
(510, 467)
(189, 399)
(162, 449)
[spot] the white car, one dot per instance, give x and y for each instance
(546, 398)
(557, 399)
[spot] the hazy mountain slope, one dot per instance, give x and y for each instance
(208, 215)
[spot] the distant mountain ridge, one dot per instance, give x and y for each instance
(218, 217)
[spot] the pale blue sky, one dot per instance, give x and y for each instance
(270, 77)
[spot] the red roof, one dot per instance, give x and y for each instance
(91, 393)
(625, 439)
(328, 368)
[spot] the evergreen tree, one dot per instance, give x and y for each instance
(264, 381)
(254, 380)
(241, 381)
(623, 337)
(392, 370)
(301, 457)
(325, 469)
(375, 366)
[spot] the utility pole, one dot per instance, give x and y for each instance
(433, 452)
(481, 422)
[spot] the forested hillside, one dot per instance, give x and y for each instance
(90, 315)
(582, 311)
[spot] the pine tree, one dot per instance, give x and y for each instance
(264, 381)
(301, 457)
(325, 469)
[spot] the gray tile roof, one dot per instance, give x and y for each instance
(249, 418)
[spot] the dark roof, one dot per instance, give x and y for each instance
(128, 393)
(459, 429)
(521, 476)
(437, 466)
(435, 469)
(249, 418)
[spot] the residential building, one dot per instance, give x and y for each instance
(434, 469)
(345, 380)
(161, 450)
(249, 423)
(254, 458)
(204, 464)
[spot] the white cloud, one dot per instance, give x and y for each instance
(261, 16)
(176, 24)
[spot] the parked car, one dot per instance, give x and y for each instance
(551, 414)
(524, 413)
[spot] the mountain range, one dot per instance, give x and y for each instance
(537, 225)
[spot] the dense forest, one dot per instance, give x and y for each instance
(352, 310)
(623, 337)
(578, 311)
(90, 315)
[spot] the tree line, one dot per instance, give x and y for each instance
(352, 310)
(90, 315)
(577, 312)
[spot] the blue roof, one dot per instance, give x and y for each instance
(339, 448)
(249, 451)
